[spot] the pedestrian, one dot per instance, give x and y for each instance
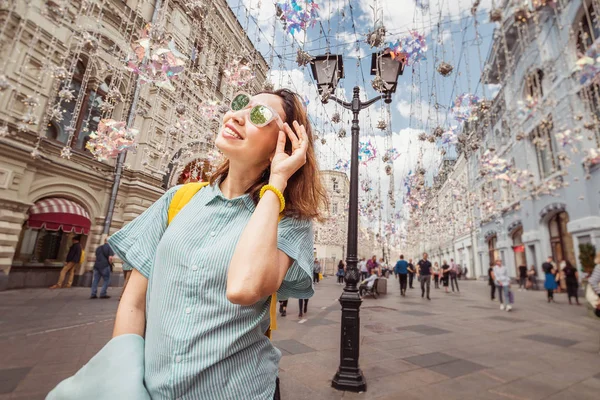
(592, 291)
(459, 272)
(465, 272)
(316, 270)
(561, 278)
(502, 280)
(522, 277)
(571, 277)
(401, 269)
(364, 273)
(102, 269)
(302, 307)
(126, 274)
(424, 274)
(367, 283)
(383, 267)
(550, 274)
(371, 265)
(283, 307)
(491, 281)
(436, 274)
(453, 273)
(411, 273)
(446, 275)
(532, 278)
(245, 236)
(340, 272)
(74, 257)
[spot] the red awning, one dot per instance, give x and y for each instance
(56, 213)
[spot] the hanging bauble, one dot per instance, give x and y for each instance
(382, 124)
(60, 73)
(378, 84)
(444, 68)
(66, 152)
(303, 58)
(268, 86)
(431, 139)
(464, 107)
(66, 95)
(111, 138)
(590, 125)
(327, 92)
(411, 48)
(496, 15)
(522, 14)
(519, 137)
(376, 37)
(388, 169)
(342, 133)
(385, 158)
(335, 118)
(197, 9)
(438, 132)
(238, 72)
(180, 108)
(297, 15)
(422, 136)
(323, 141)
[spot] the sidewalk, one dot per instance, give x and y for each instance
(457, 346)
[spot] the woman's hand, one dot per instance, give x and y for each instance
(283, 165)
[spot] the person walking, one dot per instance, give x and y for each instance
(401, 270)
(126, 274)
(364, 273)
(316, 270)
(340, 272)
(411, 273)
(73, 258)
(283, 307)
(550, 275)
(302, 307)
(532, 277)
(102, 269)
(371, 265)
(571, 277)
(453, 274)
(424, 274)
(446, 276)
(592, 293)
(522, 277)
(502, 280)
(383, 268)
(491, 281)
(436, 274)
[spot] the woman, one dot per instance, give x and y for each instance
(550, 283)
(383, 269)
(436, 274)
(571, 279)
(200, 290)
(445, 275)
(303, 307)
(592, 293)
(340, 272)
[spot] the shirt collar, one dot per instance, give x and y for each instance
(214, 191)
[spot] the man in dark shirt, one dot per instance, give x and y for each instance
(411, 273)
(104, 257)
(73, 258)
(491, 281)
(424, 274)
(522, 277)
(401, 269)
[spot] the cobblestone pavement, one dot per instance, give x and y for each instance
(457, 346)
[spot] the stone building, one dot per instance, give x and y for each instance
(51, 48)
(541, 104)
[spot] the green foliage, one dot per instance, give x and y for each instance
(587, 252)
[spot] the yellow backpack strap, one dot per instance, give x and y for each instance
(272, 315)
(182, 196)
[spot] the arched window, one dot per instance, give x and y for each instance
(519, 249)
(561, 241)
(533, 84)
(588, 29)
(492, 249)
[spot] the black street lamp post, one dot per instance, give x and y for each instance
(327, 70)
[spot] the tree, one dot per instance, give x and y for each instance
(587, 253)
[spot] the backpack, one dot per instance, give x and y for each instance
(182, 196)
(82, 258)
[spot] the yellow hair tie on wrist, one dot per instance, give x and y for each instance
(277, 192)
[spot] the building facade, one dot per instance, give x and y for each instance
(64, 69)
(526, 180)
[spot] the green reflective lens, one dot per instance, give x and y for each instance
(240, 102)
(260, 115)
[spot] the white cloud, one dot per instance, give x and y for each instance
(420, 111)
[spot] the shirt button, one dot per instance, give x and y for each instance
(188, 310)
(178, 359)
(212, 234)
(194, 267)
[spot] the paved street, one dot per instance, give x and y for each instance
(458, 346)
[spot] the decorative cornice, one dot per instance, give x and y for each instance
(14, 205)
(553, 208)
(489, 234)
(514, 226)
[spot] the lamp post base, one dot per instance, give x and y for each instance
(349, 380)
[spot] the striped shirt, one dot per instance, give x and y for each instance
(594, 279)
(198, 344)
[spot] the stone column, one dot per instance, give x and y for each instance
(12, 215)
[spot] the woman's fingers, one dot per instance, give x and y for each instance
(280, 143)
(292, 135)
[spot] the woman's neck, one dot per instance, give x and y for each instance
(239, 179)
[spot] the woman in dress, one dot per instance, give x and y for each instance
(550, 283)
(200, 290)
(445, 275)
(571, 278)
(340, 272)
(436, 274)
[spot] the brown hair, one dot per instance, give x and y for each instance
(305, 196)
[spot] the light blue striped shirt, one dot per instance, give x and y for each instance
(198, 344)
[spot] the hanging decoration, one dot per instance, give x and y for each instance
(366, 152)
(413, 47)
(210, 109)
(450, 137)
(342, 165)
(342, 133)
(335, 118)
(527, 107)
(422, 136)
(156, 59)
(238, 73)
(588, 66)
(382, 124)
(268, 86)
(464, 107)
(390, 155)
(592, 158)
(376, 37)
(297, 15)
(111, 138)
(378, 84)
(197, 9)
(303, 58)
(568, 138)
(444, 68)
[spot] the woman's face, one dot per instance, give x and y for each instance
(239, 140)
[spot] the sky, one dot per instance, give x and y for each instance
(454, 35)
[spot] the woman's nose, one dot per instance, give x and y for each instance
(237, 116)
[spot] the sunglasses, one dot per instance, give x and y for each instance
(260, 115)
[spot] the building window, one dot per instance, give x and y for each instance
(89, 115)
(533, 84)
(492, 249)
(519, 250)
(588, 30)
(561, 241)
(220, 81)
(334, 208)
(541, 138)
(590, 96)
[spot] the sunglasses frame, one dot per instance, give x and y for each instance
(275, 117)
